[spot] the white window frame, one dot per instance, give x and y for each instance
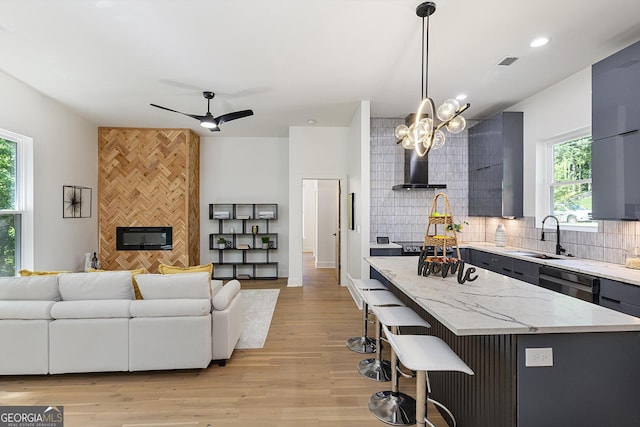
(24, 197)
(549, 172)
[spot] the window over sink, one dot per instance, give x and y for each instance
(569, 179)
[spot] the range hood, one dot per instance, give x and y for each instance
(416, 173)
(416, 169)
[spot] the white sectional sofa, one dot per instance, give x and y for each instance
(91, 322)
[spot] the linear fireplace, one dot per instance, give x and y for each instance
(144, 238)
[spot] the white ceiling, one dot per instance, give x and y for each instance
(294, 60)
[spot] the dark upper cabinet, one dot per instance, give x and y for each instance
(616, 177)
(616, 141)
(615, 91)
(495, 166)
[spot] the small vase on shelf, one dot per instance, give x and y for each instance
(501, 236)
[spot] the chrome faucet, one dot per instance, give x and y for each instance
(559, 249)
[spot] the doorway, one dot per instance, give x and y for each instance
(321, 229)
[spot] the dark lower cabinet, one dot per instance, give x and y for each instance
(505, 265)
(526, 271)
(373, 273)
(620, 296)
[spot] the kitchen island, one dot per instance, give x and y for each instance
(494, 322)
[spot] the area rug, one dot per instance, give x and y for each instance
(257, 310)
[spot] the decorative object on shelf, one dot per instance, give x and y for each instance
(254, 229)
(76, 201)
(501, 235)
(351, 211)
(221, 215)
(222, 243)
(243, 217)
(266, 215)
(243, 246)
(265, 242)
(94, 262)
(425, 133)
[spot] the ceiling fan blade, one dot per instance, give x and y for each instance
(233, 116)
(216, 129)
(179, 112)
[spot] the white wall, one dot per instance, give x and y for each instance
(245, 170)
(314, 153)
(65, 149)
(309, 189)
(562, 110)
(358, 167)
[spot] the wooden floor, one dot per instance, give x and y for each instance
(304, 376)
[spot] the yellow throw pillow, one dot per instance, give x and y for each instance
(40, 273)
(172, 269)
(134, 273)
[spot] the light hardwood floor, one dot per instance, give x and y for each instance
(304, 376)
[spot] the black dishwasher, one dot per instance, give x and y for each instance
(577, 285)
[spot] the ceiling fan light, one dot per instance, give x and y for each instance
(209, 124)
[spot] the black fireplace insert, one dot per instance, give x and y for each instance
(144, 238)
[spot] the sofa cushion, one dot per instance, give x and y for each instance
(43, 288)
(225, 295)
(26, 310)
(134, 273)
(91, 309)
(179, 286)
(89, 286)
(170, 307)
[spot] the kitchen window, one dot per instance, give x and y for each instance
(570, 182)
(15, 198)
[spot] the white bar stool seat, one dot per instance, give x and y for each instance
(392, 406)
(424, 353)
(364, 344)
(376, 368)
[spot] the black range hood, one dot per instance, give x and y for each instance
(416, 169)
(416, 173)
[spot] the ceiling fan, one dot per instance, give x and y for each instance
(208, 121)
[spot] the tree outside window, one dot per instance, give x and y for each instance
(570, 190)
(9, 217)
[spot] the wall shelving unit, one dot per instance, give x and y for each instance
(243, 225)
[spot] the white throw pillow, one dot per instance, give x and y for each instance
(179, 286)
(91, 286)
(224, 296)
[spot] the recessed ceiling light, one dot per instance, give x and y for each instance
(311, 121)
(461, 97)
(539, 42)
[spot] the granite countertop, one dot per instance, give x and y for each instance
(586, 266)
(495, 304)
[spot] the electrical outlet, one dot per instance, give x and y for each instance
(538, 357)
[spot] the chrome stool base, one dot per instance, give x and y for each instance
(397, 409)
(376, 370)
(364, 345)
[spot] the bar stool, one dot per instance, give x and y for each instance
(391, 406)
(375, 368)
(364, 344)
(424, 353)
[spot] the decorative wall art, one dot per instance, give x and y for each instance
(76, 201)
(350, 211)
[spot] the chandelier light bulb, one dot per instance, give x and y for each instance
(427, 124)
(407, 144)
(456, 125)
(401, 132)
(448, 109)
(438, 140)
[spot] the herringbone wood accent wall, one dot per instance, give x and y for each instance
(149, 177)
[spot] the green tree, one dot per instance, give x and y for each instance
(572, 162)
(7, 202)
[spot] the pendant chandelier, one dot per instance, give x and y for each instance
(425, 132)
